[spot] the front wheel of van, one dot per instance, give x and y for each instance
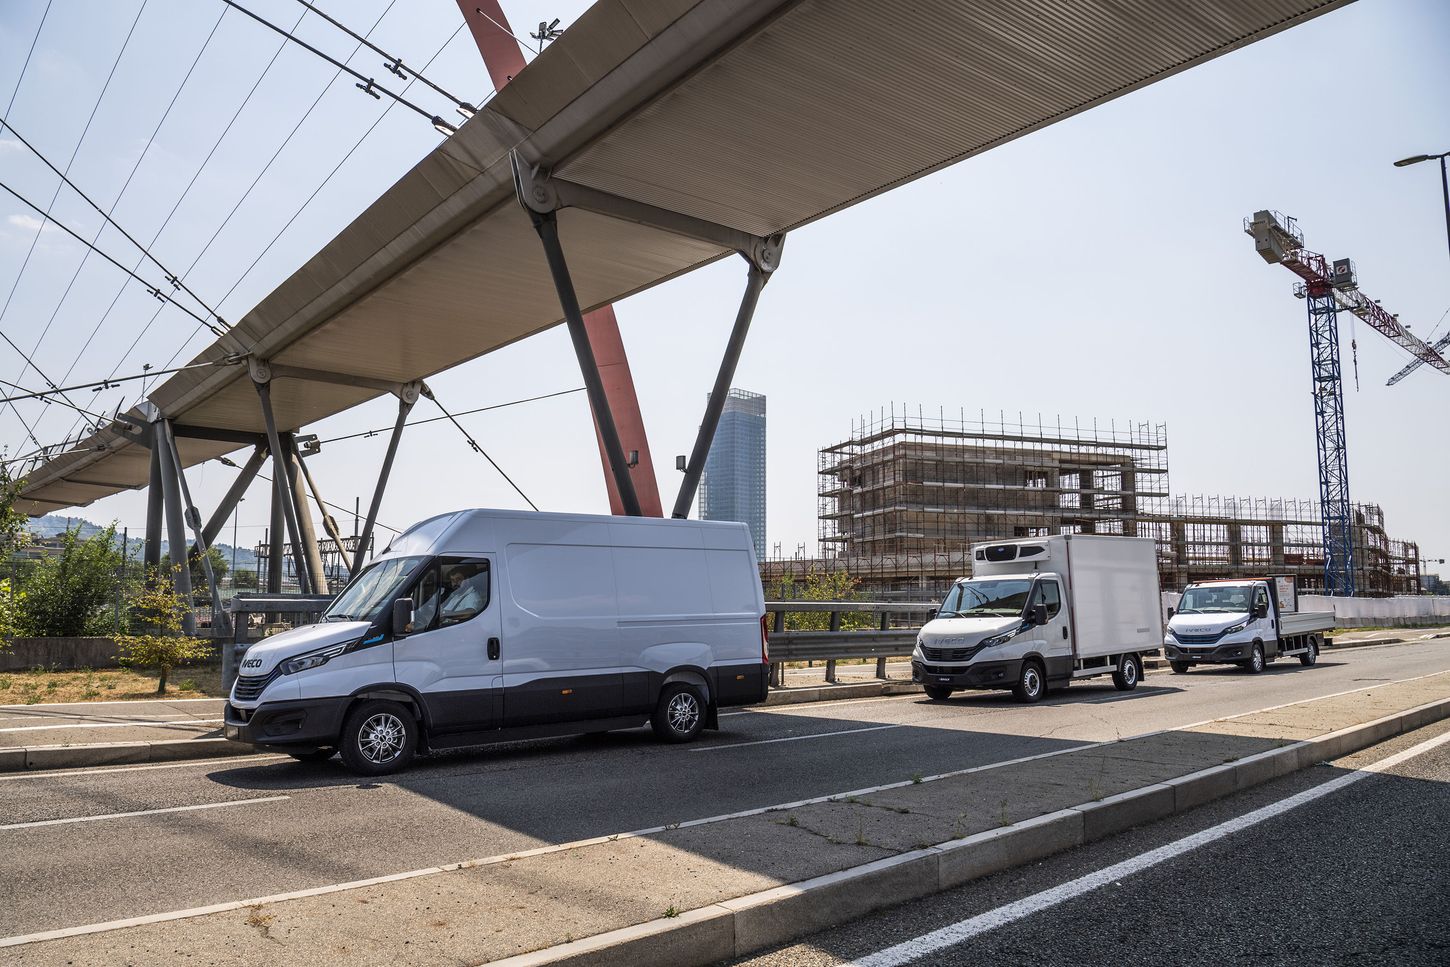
(1256, 662)
(1179, 667)
(937, 693)
(379, 737)
(680, 714)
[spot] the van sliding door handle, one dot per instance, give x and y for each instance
(493, 649)
(1064, 631)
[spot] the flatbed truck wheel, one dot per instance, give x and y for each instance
(937, 693)
(1256, 662)
(1311, 654)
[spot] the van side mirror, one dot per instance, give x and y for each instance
(402, 615)
(1171, 613)
(1039, 614)
(1261, 611)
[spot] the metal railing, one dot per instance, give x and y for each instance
(896, 624)
(306, 606)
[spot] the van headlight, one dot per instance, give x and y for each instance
(1004, 637)
(312, 659)
(1236, 628)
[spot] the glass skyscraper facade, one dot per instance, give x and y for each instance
(733, 485)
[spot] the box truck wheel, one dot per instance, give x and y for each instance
(1311, 654)
(1255, 664)
(379, 737)
(680, 714)
(937, 693)
(1031, 682)
(1126, 675)
(1179, 667)
(315, 755)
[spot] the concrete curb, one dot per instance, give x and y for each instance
(828, 693)
(1335, 645)
(735, 928)
(116, 753)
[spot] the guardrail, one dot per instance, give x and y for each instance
(896, 625)
(243, 606)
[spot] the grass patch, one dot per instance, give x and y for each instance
(85, 685)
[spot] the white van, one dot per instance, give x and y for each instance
(484, 625)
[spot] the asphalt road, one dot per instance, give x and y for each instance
(72, 850)
(1359, 875)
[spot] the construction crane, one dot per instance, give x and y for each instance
(1440, 346)
(1326, 288)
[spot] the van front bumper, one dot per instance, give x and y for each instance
(1230, 654)
(308, 723)
(984, 674)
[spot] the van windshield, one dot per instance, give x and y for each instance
(987, 598)
(1216, 599)
(367, 594)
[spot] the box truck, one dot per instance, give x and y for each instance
(1038, 613)
(482, 625)
(1248, 623)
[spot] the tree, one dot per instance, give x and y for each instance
(12, 522)
(9, 608)
(199, 590)
(244, 579)
(820, 584)
(159, 608)
(73, 593)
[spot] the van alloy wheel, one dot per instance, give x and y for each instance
(381, 738)
(1256, 662)
(684, 712)
(680, 714)
(1311, 655)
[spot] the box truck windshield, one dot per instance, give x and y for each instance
(988, 598)
(363, 599)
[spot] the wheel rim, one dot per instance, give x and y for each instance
(683, 712)
(1130, 672)
(381, 738)
(1258, 659)
(1031, 681)
(1313, 653)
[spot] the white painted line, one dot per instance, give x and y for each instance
(143, 812)
(119, 701)
(798, 738)
(71, 717)
(963, 930)
(186, 764)
(152, 724)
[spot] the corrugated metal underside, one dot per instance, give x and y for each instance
(758, 114)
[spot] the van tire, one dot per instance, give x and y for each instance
(1031, 682)
(314, 755)
(1128, 673)
(680, 714)
(1311, 654)
(1256, 662)
(379, 737)
(937, 693)
(1179, 667)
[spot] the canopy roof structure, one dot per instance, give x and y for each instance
(757, 115)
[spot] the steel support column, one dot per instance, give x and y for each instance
(176, 543)
(193, 519)
(711, 420)
(328, 523)
(276, 545)
(547, 225)
(281, 484)
(155, 501)
(1335, 511)
(304, 519)
(406, 399)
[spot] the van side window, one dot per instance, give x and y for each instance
(450, 592)
(1048, 594)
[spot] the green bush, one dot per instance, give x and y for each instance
(160, 609)
(73, 593)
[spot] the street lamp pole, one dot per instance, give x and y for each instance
(1444, 181)
(235, 510)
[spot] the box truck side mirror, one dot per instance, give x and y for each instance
(1261, 611)
(1039, 614)
(402, 616)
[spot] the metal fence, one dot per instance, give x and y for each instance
(893, 633)
(298, 608)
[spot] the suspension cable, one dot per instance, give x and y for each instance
(478, 449)
(364, 434)
(107, 383)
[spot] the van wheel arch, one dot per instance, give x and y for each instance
(401, 694)
(689, 676)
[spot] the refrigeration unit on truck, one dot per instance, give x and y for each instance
(1038, 613)
(480, 626)
(1248, 623)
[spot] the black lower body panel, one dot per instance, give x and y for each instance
(987, 674)
(291, 726)
(1220, 655)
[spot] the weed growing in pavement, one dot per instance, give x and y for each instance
(861, 835)
(916, 779)
(791, 820)
(852, 799)
(671, 912)
(1002, 819)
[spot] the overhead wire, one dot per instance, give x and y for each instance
(480, 450)
(108, 383)
(364, 434)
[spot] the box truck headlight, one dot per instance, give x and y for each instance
(303, 662)
(1004, 637)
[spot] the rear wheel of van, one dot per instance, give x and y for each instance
(1179, 667)
(680, 714)
(1128, 673)
(316, 755)
(937, 693)
(1256, 662)
(1311, 654)
(1031, 683)
(378, 738)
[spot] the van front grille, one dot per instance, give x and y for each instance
(249, 687)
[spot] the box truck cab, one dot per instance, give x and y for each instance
(1038, 613)
(1248, 623)
(482, 626)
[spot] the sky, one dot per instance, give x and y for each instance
(1096, 269)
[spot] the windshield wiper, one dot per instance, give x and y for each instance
(339, 617)
(950, 614)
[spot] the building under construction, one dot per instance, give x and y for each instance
(907, 494)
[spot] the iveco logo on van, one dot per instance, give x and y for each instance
(252, 663)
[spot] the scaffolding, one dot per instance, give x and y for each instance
(903, 499)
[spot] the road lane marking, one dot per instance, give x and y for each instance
(142, 812)
(798, 738)
(151, 724)
(119, 701)
(70, 773)
(963, 930)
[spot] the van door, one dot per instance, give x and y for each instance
(1267, 627)
(450, 653)
(1055, 637)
